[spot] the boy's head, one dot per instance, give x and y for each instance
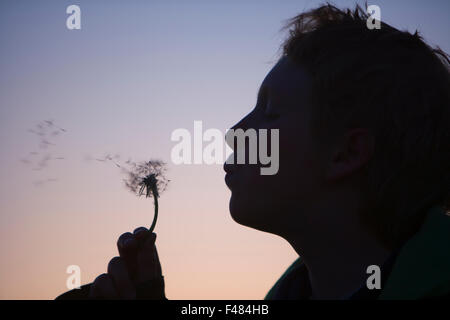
(364, 120)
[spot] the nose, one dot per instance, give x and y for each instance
(230, 141)
(243, 124)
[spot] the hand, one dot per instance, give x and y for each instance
(135, 274)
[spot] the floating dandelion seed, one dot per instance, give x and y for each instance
(148, 178)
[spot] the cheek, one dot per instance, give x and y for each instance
(299, 170)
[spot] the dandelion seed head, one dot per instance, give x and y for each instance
(146, 178)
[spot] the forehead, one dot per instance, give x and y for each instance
(287, 79)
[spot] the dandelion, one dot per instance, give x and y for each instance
(147, 178)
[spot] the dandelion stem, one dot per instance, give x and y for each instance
(155, 217)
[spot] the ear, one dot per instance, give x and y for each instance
(351, 153)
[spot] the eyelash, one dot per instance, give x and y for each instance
(262, 102)
(269, 115)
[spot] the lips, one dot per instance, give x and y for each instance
(228, 180)
(228, 168)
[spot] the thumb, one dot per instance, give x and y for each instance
(148, 265)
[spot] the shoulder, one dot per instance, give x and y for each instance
(292, 285)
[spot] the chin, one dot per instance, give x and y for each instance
(249, 216)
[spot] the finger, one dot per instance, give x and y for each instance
(103, 288)
(140, 234)
(148, 265)
(122, 282)
(126, 244)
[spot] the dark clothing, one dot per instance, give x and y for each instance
(296, 285)
(420, 269)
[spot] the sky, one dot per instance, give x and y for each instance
(135, 72)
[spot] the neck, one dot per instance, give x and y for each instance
(337, 259)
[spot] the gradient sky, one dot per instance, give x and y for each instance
(136, 71)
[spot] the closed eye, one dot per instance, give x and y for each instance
(269, 113)
(264, 104)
